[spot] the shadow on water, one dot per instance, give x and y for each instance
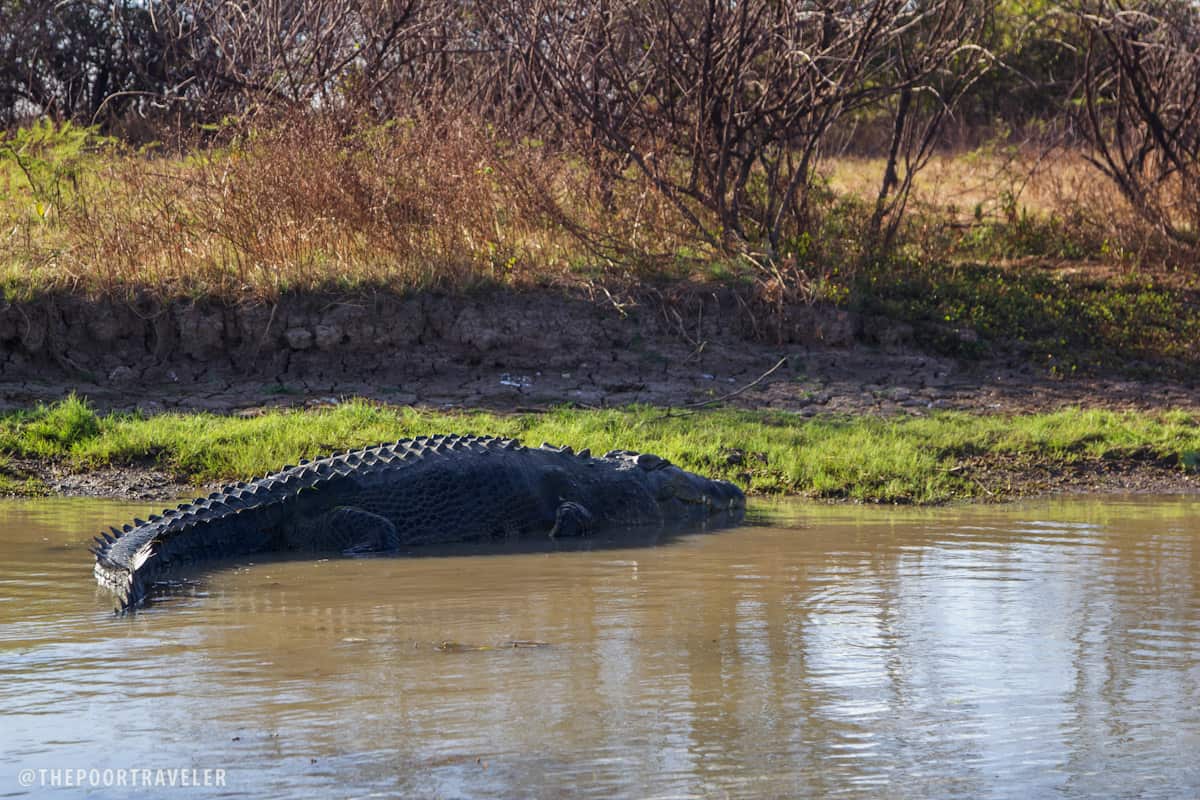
(193, 580)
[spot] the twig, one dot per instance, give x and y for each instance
(736, 392)
(266, 332)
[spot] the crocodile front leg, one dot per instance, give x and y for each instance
(572, 519)
(346, 529)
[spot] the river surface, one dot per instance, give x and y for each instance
(1047, 649)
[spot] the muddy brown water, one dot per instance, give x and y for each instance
(1047, 649)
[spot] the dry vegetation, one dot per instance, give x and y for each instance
(314, 203)
(338, 145)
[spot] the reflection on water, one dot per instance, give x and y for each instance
(1048, 649)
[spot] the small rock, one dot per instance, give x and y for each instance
(298, 338)
(121, 374)
(588, 397)
(200, 330)
(327, 337)
(519, 381)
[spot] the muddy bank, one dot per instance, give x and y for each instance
(513, 350)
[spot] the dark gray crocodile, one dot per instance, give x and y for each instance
(426, 490)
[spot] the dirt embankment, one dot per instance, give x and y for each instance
(509, 350)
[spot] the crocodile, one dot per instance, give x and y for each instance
(427, 490)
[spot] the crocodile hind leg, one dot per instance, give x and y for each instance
(349, 530)
(572, 519)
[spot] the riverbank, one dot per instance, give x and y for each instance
(236, 309)
(1087, 344)
(937, 457)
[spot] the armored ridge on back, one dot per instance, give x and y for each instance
(428, 490)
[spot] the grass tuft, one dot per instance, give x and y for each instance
(49, 430)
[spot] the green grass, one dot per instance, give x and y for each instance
(893, 460)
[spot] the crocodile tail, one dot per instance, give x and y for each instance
(124, 580)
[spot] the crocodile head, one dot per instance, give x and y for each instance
(683, 494)
(680, 492)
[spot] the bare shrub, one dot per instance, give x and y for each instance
(1141, 107)
(725, 107)
(934, 60)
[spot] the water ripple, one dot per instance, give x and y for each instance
(1028, 651)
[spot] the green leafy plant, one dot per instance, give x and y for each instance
(50, 160)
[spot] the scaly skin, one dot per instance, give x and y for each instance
(428, 490)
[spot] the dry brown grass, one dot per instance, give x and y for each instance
(987, 180)
(314, 203)
(1012, 187)
(307, 206)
